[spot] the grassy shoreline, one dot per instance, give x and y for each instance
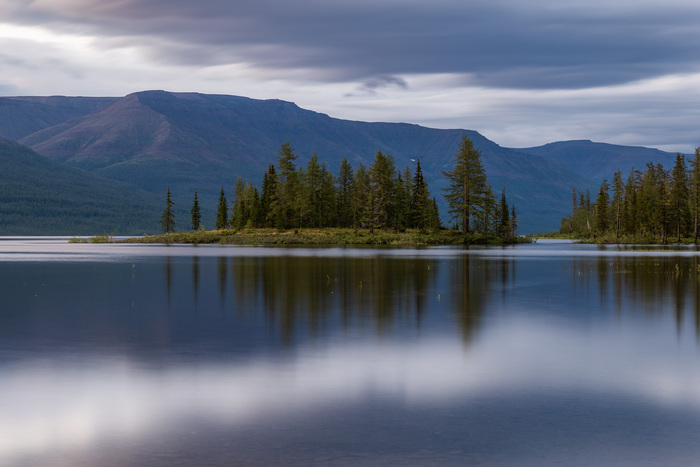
(308, 236)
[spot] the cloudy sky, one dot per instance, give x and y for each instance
(521, 73)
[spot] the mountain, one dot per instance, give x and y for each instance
(156, 139)
(597, 161)
(22, 116)
(39, 196)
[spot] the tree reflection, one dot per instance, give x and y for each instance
(651, 285)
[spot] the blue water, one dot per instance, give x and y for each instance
(543, 354)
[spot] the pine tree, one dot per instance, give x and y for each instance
(420, 203)
(601, 206)
(618, 200)
(196, 213)
(360, 197)
(468, 192)
(239, 210)
(344, 189)
(222, 212)
(312, 191)
(679, 196)
(287, 186)
(328, 198)
(167, 220)
(269, 198)
(695, 192)
(504, 227)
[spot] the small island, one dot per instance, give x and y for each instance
(375, 205)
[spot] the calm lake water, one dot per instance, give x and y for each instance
(543, 354)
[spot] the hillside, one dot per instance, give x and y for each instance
(156, 139)
(597, 161)
(39, 196)
(22, 116)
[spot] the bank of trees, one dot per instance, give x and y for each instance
(376, 197)
(651, 205)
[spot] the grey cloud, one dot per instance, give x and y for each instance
(372, 85)
(502, 43)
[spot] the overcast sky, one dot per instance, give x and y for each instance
(521, 73)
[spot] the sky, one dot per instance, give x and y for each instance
(520, 73)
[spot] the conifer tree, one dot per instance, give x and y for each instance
(695, 192)
(167, 220)
(601, 206)
(196, 212)
(312, 191)
(287, 187)
(420, 203)
(222, 212)
(679, 196)
(504, 227)
(328, 198)
(360, 196)
(344, 190)
(468, 192)
(513, 222)
(239, 214)
(618, 200)
(269, 198)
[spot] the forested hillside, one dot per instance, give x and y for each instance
(39, 196)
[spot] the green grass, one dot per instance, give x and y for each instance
(329, 236)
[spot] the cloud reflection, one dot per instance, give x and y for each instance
(67, 405)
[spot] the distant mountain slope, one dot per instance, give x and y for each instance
(156, 139)
(22, 116)
(597, 161)
(39, 196)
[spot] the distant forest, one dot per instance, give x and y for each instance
(653, 206)
(376, 197)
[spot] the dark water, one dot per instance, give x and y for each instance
(545, 354)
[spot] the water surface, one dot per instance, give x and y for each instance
(542, 354)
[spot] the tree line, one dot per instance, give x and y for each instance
(376, 197)
(652, 205)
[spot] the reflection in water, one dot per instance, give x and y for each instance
(648, 285)
(300, 294)
(397, 357)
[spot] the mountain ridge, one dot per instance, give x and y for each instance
(159, 139)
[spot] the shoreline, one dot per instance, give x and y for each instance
(310, 236)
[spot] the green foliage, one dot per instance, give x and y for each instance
(222, 212)
(196, 212)
(40, 197)
(468, 195)
(167, 219)
(652, 206)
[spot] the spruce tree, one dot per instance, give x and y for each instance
(222, 212)
(618, 200)
(503, 217)
(421, 200)
(679, 196)
(167, 220)
(601, 206)
(344, 189)
(287, 187)
(695, 192)
(196, 213)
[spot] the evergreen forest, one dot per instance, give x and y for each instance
(378, 197)
(654, 205)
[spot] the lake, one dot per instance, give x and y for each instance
(543, 354)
